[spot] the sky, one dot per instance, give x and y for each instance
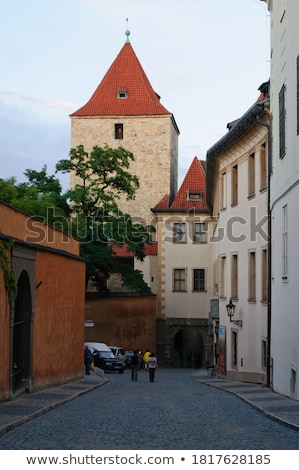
(205, 58)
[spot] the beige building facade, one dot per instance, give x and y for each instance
(184, 275)
(237, 185)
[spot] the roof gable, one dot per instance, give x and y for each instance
(191, 194)
(124, 91)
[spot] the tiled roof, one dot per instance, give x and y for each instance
(150, 249)
(193, 185)
(125, 75)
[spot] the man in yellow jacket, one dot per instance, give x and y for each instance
(146, 355)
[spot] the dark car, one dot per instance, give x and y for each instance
(104, 358)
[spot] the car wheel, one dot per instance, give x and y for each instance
(120, 371)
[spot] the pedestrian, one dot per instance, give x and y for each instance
(87, 359)
(152, 366)
(134, 366)
(145, 358)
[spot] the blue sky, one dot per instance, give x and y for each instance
(205, 58)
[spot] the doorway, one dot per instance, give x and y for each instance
(188, 349)
(21, 335)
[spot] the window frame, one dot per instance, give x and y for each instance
(118, 131)
(181, 279)
(199, 280)
(179, 232)
(200, 235)
(282, 121)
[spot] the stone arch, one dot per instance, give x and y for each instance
(187, 348)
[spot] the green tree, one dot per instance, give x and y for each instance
(40, 197)
(102, 178)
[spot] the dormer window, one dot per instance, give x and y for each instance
(122, 94)
(194, 196)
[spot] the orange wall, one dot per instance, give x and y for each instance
(128, 322)
(58, 304)
(58, 331)
(18, 225)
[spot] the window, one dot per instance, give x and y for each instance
(179, 233)
(298, 95)
(234, 275)
(179, 280)
(264, 275)
(199, 280)
(223, 191)
(122, 93)
(251, 175)
(235, 184)
(282, 124)
(222, 275)
(119, 131)
(285, 242)
(194, 196)
(199, 232)
(263, 167)
(252, 276)
(234, 350)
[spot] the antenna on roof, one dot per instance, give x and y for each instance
(127, 32)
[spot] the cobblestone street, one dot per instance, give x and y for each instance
(177, 411)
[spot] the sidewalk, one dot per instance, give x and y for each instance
(277, 407)
(28, 406)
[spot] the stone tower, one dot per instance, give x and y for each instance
(124, 111)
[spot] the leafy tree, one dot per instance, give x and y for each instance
(101, 178)
(40, 197)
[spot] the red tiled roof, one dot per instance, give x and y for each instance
(150, 249)
(194, 183)
(124, 75)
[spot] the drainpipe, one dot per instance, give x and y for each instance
(269, 127)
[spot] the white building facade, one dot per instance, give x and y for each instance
(237, 186)
(284, 184)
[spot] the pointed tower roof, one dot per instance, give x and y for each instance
(191, 194)
(124, 91)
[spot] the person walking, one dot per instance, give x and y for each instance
(146, 355)
(134, 366)
(152, 366)
(87, 359)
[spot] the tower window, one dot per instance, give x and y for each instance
(119, 131)
(122, 94)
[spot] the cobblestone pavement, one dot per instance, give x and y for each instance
(182, 409)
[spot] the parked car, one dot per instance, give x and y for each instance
(104, 358)
(118, 352)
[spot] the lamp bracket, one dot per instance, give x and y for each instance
(237, 322)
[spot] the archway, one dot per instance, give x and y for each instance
(21, 337)
(187, 348)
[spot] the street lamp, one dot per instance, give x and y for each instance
(230, 310)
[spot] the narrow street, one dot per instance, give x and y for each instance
(175, 412)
